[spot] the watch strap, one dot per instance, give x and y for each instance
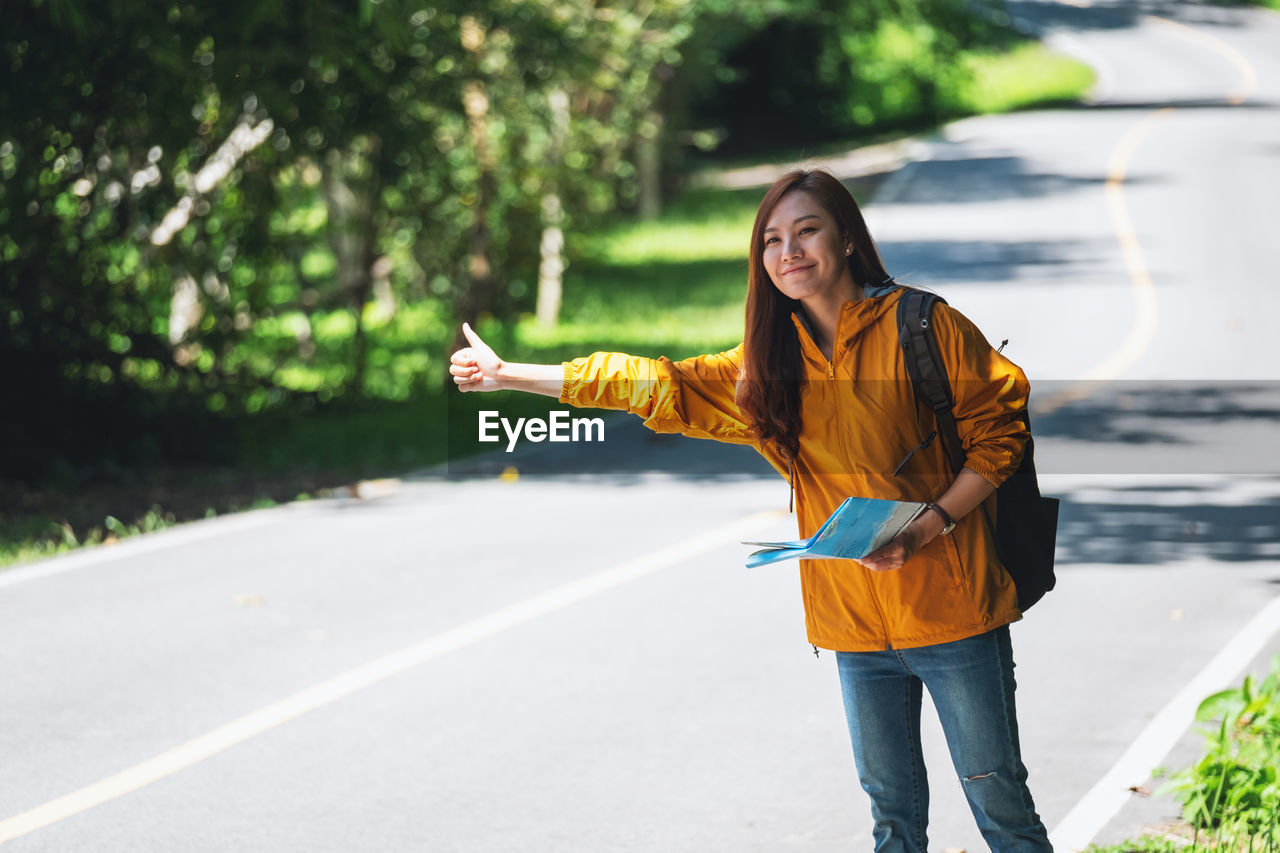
(948, 523)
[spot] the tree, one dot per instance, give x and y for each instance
(179, 177)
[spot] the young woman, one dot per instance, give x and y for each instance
(819, 388)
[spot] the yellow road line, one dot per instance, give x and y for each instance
(264, 719)
(1145, 305)
(1248, 77)
(1146, 312)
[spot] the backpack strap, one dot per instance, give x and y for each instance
(925, 367)
(1028, 522)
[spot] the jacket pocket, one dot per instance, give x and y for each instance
(941, 560)
(953, 557)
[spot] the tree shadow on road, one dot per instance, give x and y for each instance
(1217, 427)
(1146, 525)
(934, 263)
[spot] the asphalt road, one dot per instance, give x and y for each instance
(578, 661)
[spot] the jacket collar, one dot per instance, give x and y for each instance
(854, 315)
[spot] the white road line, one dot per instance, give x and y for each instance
(144, 544)
(264, 719)
(1111, 792)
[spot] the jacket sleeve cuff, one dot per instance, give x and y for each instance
(995, 464)
(985, 471)
(569, 384)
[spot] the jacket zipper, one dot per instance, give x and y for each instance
(831, 375)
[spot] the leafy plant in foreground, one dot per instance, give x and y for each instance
(1232, 793)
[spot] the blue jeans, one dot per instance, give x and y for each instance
(971, 683)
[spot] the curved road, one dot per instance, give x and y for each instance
(577, 661)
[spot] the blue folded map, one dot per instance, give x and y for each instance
(857, 527)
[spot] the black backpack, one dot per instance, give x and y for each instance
(1026, 523)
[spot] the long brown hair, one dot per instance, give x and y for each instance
(772, 370)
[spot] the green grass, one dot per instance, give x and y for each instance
(35, 537)
(675, 286)
(1029, 75)
(1230, 798)
(1268, 4)
(699, 226)
(56, 520)
(1146, 844)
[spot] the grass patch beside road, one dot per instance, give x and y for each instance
(1268, 4)
(1230, 798)
(1029, 75)
(675, 286)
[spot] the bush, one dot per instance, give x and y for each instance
(1232, 794)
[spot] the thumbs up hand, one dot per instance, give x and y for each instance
(477, 367)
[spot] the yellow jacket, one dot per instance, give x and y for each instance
(860, 420)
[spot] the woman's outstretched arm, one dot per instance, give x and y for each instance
(478, 368)
(694, 396)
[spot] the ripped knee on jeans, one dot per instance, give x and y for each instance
(978, 776)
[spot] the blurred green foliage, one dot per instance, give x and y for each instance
(246, 233)
(838, 69)
(208, 211)
(1003, 81)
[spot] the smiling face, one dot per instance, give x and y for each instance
(805, 254)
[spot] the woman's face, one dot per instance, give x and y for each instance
(804, 252)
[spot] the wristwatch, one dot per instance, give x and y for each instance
(948, 523)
